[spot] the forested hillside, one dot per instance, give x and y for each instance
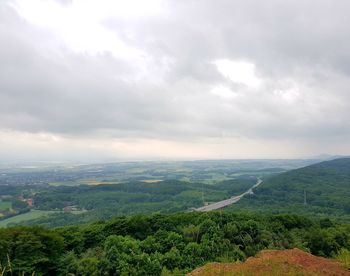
(320, 189)
(161, 244)
(62, 194)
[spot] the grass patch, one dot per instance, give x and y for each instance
(5, 205)
(344, 257)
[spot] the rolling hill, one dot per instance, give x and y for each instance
(320, 189)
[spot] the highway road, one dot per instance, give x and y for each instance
(226, 202)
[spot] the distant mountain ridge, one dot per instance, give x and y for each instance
(322, 188)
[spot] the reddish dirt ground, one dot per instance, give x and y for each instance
(276, 262)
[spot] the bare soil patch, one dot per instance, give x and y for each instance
(276, 262)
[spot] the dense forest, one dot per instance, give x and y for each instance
(162, 244)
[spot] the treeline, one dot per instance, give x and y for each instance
(99, 196)
(106, 201)
(161, 244)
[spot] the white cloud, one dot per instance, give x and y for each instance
(223, 92)
(289, 91)
(239, 72)
(80, 24)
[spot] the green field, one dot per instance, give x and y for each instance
(5, 205)
(65, 183)
(33, 214)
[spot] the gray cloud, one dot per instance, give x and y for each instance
(299, 49)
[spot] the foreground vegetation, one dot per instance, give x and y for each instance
(156, 244)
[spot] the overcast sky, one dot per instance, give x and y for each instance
(180, 79)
